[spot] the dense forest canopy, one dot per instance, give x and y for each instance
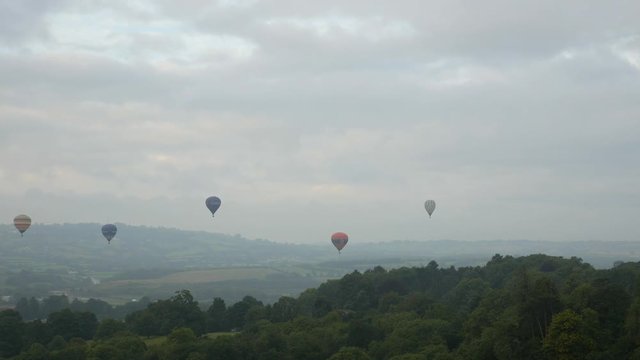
(533, 307)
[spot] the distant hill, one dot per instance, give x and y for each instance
(75, 259)
(81, 247)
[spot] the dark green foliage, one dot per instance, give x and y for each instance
(361, 332)
(161, 317)
(57, 343)
(11, 333)
(180, 343)
(36, 351)
(283, 310)
(237, 314)
(69, 324)
(110, 327)
(76, 349)
(350, 353)
(52, 304)
(217, 316)
(571, 336)
(534, 307)
(31, 308)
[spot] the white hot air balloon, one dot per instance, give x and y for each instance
(429, 205)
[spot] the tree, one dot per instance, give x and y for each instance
(466, 295)
(11, 333)
(632, 322)
(68, 324)
(145, 323)
(162, 316)
(37, 332)
(123, 346)
(34, 308)
(87, 325)
(350, 353)
(224, 348)
(361, 332)
(57, 343)
(238, 311)
(537, 300)
(217, 316)
(100, 308)
(36, 351)
(569, 336)
(411, 335)
(63, 323)
(283, 310)
(22, 307)
(180, 343)
(77, 305)
(270, 342)
(110, 327)
(52, 304)
(611, 302)
(76, 349)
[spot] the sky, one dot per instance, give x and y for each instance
(521, 119)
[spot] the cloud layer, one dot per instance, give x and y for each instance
(520, 120)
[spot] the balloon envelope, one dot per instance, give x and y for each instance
(109, 231)
(430, 206)
(339, 240)
(22, 223)
(213, 204)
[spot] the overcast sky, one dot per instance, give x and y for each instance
(521, 119)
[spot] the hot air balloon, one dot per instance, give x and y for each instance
(339, 240)
(109, 231)
(213, 203)
(430, 205)
(22, 223)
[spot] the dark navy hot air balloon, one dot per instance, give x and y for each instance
(109, 231)
(339, 240)
(213, 204)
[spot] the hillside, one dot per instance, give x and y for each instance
(81, 247)
(142, 261)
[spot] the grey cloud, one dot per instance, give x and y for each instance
(496, 30)
(519, 120)
(25, 20)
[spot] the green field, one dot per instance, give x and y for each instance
(125, 289)
(199, 276)
(231, 283)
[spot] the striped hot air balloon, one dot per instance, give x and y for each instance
(339, 240)
(22, 223)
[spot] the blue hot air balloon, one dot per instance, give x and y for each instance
(213, 204)
(109, 231)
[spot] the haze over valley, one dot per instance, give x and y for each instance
(143, 261)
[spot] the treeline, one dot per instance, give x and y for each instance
(534, 307)
(34, 309)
